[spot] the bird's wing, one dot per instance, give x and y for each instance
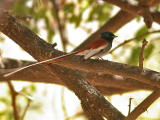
(96, 43)
(93, 48)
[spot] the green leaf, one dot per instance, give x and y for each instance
(157, 7)
(21, 8)
(33, 88)
(69, 8)
(10, 116)
(50, 35)
(78, 20)
(50, 32)
(2, 39)
(4, 100)
(133, 59)
(99, 12)
(148, 51)
(141, 31)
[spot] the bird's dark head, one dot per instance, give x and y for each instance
(108, 36)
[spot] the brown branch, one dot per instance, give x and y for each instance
(6, 4)
(142, 107)
(13, 100)
(156, 17)
(88, 95)
(142, 9)
(106, 67)
(141, 56)
(112, 91)
(89, 113)
(124, 5)
(41, 50)
(26, 47)
(135, 38)
(148, 19)
(110, 67)
(39, 74)
(135, 10)
(152, 2)
(26, 108)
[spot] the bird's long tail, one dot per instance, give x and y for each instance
(41, 62)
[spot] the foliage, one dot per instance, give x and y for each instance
(72, 12)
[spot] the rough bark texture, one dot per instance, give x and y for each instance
(76, 73)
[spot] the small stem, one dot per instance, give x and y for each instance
(26, 108)
(60, 25)
(63, 104)
(142, 107)
(13, 97)
(130, 103)
(141, 56)
(135, 38)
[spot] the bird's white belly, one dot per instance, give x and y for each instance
(91, 52)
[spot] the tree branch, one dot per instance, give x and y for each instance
(142, 107)
(59, 23)
(141, 56)
(13, 100)
(40, 74)
(6, 4)
(135, 38)
(112, 25)
(142, 9)
(41, 50)
(135, 10)
(88, 95)
(76, 62)
(129, 13)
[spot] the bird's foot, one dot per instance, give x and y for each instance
(100, 58)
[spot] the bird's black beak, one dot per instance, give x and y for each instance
(115, 36)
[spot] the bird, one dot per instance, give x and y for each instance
(98, 48)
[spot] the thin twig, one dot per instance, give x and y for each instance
(54, 45)
(142, 107)
(63, 104)
(147, 17)
(129, 106)
(13, 96)
(141, 56)
(60, 25)
(26, 108)
(135, 38)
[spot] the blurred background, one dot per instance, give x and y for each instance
(68, 23)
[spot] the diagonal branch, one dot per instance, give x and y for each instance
(41, 50)
(129, 13)
(112, 25)
(135, 38)
(107, 67)
(142, 107)
(135, 10)
(142, 9)
(88, 95)
(39, 74)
